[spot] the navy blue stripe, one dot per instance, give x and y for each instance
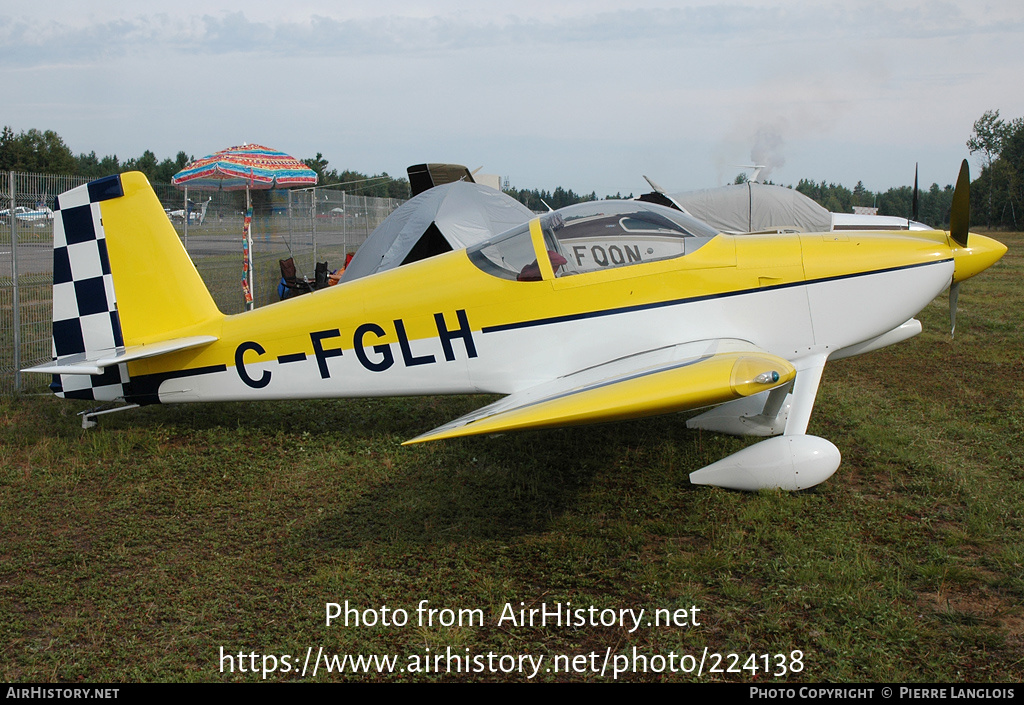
(144, 389)
(115, 325)
(692, 299)
(106, 188)
(191, 372)
(101, 245)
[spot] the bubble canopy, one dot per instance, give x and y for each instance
(589, 237)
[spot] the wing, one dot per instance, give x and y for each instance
(674, 378)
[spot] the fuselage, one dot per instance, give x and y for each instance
(444, 325)
(601, 311)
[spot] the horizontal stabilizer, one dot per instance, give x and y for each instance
(93, 363)
(659, 381)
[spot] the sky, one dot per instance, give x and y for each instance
(589, 95)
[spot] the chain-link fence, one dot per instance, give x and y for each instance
(309, 225)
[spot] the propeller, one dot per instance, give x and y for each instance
(960, 213)
(914, 203)
(959, 223)
(954, 294)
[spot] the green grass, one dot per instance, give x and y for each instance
(136, 550)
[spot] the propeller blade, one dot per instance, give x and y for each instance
(914, 208)
(954, 294)
(960, 213)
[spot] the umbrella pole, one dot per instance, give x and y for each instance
(252, 262)
(186, 218)
(247, 278)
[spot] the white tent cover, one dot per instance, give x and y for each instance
(464, 213)
(748, 207)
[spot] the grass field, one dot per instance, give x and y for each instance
(139, 550)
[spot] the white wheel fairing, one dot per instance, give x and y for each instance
(784, 462)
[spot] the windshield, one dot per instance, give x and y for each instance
(592, 236)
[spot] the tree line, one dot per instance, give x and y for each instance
(540, 200)
(379, 185)
(997, 195)
(933, 204)
(45, 152)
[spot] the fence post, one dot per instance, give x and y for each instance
(187, 217)
(312, 217)
(289, 220)
(366, 220)
(16, 304)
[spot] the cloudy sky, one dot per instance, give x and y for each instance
(588, 95)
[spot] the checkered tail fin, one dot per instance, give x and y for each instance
(123, 288)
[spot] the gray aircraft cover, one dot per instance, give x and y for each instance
(464, 213)
(752, 206)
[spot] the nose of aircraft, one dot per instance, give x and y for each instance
(982, 252)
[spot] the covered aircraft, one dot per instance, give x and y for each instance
(601, 311)
(753, 207)
(451, 216)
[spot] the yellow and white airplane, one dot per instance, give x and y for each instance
(598, 312)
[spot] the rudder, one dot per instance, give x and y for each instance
(159, 292)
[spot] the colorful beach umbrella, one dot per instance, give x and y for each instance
(248, 166)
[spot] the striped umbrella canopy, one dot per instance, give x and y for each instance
(249, 166)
